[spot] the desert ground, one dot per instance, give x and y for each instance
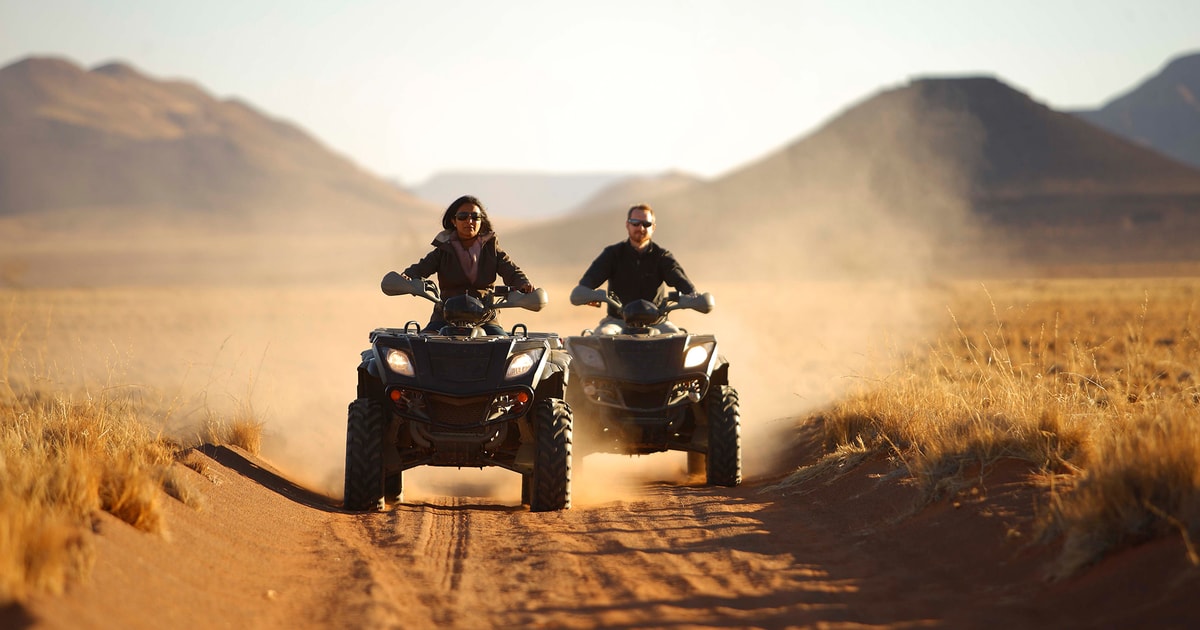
(818, 535)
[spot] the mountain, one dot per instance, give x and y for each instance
(623, 193)
(1163, 112)
(916, 176)
(516, 195)
(115, 140)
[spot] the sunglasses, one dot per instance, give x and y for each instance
(645, 224)
(468, 216)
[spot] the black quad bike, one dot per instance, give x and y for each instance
(645, 391)
(460, 397)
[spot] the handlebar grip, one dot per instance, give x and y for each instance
(581, 295)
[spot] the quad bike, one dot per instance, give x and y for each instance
(460, 397)
(645, 391)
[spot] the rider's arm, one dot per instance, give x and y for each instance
(673, 274)
(425, 267)
(600, 270)
(512, 274)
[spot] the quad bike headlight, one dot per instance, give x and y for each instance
(399, 362)
(520, 364)
(696, 356)
(588, 356)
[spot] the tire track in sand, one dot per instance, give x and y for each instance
(677, 555)
(409, 563)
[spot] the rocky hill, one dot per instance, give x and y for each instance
(516, 195)
(112, 139)
(622, 194)
(1163, 112)
(920, 176)
(923, 174)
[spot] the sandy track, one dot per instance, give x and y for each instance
(682, 555)
(266, 553)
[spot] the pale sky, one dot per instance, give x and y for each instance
(407, 89)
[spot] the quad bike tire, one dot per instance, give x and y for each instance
(723, 466)
(549, 487)
(364, 456)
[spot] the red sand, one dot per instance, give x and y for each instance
(850, 551)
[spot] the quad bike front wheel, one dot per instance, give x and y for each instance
(549, 488)
(364, 456)
(724, 461)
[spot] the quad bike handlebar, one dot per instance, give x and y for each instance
(582, 295)
(510, 297)
(700, 302)
(497, 297)
(396, 284)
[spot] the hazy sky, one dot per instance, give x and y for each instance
(410, 88)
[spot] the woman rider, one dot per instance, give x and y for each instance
(467, 259)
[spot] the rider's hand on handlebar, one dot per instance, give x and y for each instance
(526, 288)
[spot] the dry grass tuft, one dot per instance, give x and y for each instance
(65, 458)
(192, 460)
(62, 461)
(181, 486)
(1093, 383)
(79, 436)
(1142, 483)
(844, 458)
(241, 429)
(40, 552)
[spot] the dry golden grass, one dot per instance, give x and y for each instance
(242, 429)
(1093, 383)
(66, 457)
(63, 461)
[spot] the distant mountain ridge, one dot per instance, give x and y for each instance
(115, 138)
(921, 174)
(1163, 112)
(933, 168)
(1027, 148)
(622, 194)
(518, 195)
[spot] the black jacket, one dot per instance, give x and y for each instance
(452, 279)
(634, 275)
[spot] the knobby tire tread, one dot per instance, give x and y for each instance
(364, 456)
(551, 483)
(724, 439)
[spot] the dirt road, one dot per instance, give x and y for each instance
(679, 557)
(842, 552)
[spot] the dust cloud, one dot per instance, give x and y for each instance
(819, 287)
(824, 263)
(823, 285)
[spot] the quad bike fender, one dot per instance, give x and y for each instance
(368, 364)
(720, 373)
(370, 381)
(555, 373)
(558, 362)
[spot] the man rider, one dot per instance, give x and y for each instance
(635, 269)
